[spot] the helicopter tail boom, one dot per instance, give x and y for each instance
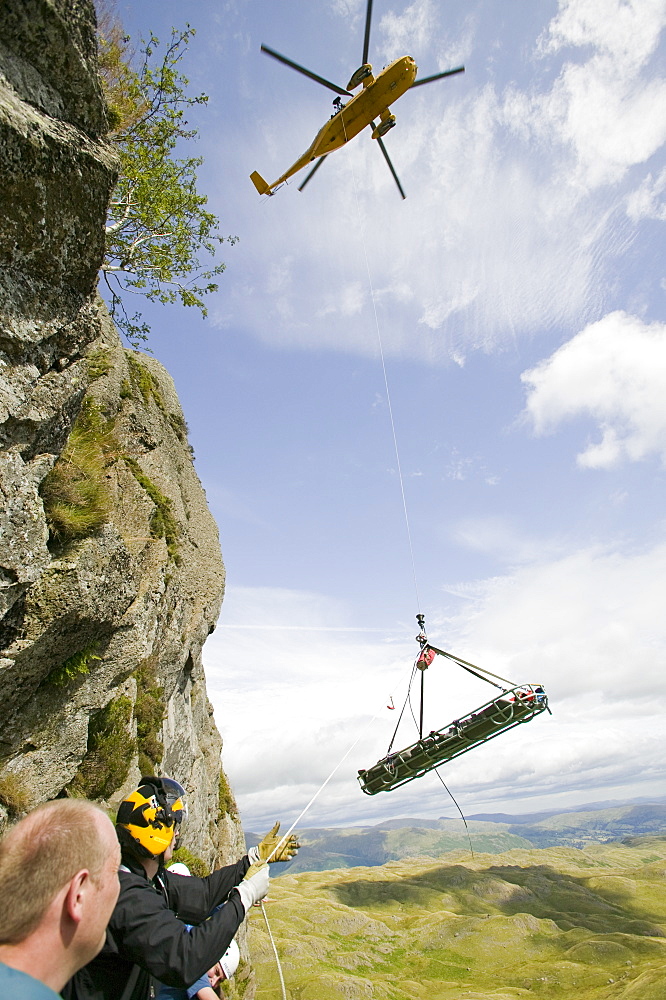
(261, 185)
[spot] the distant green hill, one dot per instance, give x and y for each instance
(346, 848)
(575, 829)
(407, 838)
(559, 924)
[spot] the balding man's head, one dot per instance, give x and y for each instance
(43, 853)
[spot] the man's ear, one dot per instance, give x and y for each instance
(76, 892)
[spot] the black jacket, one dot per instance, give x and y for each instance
(147, 929)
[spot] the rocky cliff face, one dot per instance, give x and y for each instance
(111, 575)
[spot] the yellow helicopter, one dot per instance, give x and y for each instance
(378, 93)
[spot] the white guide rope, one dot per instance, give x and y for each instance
(283, 841)
(275, 952)
(286, 836)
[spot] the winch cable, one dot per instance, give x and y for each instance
(407, 527)
(436, 770)
(386, 382)
(402, 712)
(466, 666)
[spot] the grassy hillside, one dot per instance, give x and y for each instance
(558, 924)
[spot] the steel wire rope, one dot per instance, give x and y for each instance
(385, 374)
(436, 771)
(400, 476)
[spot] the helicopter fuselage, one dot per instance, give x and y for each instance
(372, 101)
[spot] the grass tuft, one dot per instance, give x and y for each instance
(196, 865)
(13, 794)
(77, 501)
(227, 803)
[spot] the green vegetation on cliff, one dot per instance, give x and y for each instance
(144, 382)
(110, 751)
(162, 524)
(74, 666)
(148, 711)
(226, 802)
(196, 865)
(75, 492)
(14, 796)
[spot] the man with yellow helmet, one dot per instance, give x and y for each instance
(147, 938)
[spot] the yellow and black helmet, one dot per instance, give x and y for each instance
(148, 818)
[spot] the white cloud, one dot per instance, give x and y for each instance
(611, 112)
(409, 31)
(627, 30)
(647, 201)
(347, 301)
(613, 372)
(588, 625)
(497, 536)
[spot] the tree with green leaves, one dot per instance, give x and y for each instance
(161, 241)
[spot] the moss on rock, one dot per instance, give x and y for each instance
(144, 382)
(196, 865)
(226, 802)
(99, 363)
(148, 711)
(110, 751)
(162, 524)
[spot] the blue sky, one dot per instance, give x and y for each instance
(518, 297)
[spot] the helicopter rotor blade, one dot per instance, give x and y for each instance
(305, 72)
(438, 76)
(390, 165)
(313, 171)
(366, 39)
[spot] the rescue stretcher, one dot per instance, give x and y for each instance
(513, 707)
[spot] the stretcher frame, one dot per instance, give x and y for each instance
(513, 707)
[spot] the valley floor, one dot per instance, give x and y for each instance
(559, 924)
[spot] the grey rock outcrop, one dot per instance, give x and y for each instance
(126, 610)
(56, 175)
(101, 628)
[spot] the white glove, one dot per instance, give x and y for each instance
(254, 885)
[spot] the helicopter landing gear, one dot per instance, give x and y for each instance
(384, 126)
(361, 74)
